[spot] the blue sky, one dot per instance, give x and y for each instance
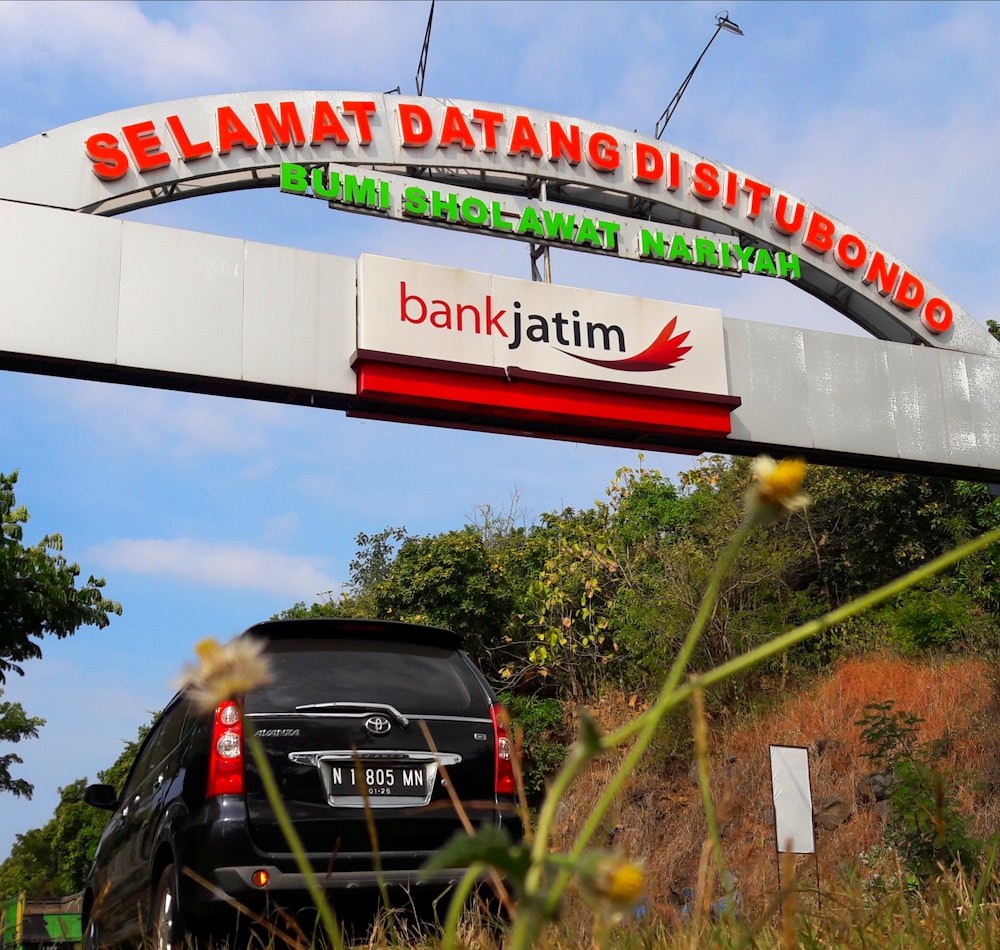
(207, 514)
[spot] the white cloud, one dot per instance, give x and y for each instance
(232, 566)
(177, 425)
(167, 50)
(281, 526)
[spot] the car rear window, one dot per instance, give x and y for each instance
(415, 679)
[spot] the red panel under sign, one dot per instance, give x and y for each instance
(526, 400)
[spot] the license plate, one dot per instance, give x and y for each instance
(378, 780)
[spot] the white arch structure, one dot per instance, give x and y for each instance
(882, 402)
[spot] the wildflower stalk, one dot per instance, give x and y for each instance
(700, 729)
(294, 841)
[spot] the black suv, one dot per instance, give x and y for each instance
(348, 703)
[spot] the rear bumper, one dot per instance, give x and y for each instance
(226, 860)
(235, 896)
(238, 880)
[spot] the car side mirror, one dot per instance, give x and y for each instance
(101, 796)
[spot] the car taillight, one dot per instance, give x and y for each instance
(504, 767)
(225, 761)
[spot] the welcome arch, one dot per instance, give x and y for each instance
(518, 173)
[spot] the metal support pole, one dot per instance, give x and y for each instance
(422, 65)
(536, 251)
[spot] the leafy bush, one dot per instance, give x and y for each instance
(923, 826)
(890, 736)
(544, 736)
(931, 620)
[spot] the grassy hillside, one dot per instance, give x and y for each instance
(661, 822)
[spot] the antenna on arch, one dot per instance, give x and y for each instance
(722, 22)
(422, 65)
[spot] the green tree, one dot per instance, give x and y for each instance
(453, 580)
(15, 725)
(665, 568)
(40, 598)
(38, 589)
(869, 527)
(573, 596)
(54, 859)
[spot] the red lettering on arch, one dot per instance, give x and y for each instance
(782, 222)
(705, 181)
(880, 274)
(232, 131)
(674, 178)
(109, 161)
(649, 163)
(565, 145)
(850, 252)
(455, 129)
(757, 192)
(819, 234)
(523, 139)
(414, 125)
(602, 152)
(909, 292)
(937, 315)
(729, 195)
(281, 131)
(327, 125)
(489, 122)
(146, 147)
(190, 151)
(362, 112)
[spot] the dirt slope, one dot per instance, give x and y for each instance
(661, 820)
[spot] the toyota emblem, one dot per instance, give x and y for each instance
(377, 725)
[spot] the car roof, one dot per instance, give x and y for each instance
(343, 628)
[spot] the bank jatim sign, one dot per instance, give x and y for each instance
(452, 341)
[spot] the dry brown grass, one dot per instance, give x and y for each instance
(660, 818)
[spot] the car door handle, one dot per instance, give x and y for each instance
(158, 782)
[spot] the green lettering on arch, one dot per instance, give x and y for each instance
(706, 252)
(764, 264)
(651, 244)
(360, 191)
(588, 234)
(559, 226)
(529, 222)
(679, 249)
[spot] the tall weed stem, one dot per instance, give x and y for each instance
(319, 898)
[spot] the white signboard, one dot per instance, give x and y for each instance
(793, 816)
(459, 317)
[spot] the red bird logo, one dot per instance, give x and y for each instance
(663, 353)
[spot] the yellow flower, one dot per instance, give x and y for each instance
(776, 487)
(225, 671)
(615, 880)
